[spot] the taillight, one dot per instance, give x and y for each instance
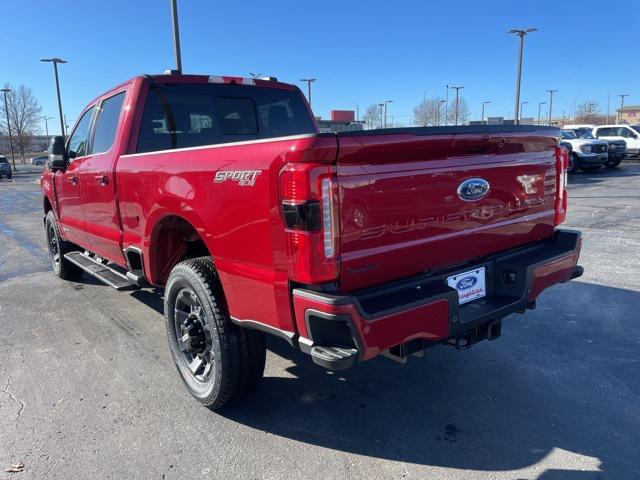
(562, 164)
(309, 204)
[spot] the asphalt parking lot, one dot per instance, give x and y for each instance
(88, 388)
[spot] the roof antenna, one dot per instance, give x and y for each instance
(176, 39)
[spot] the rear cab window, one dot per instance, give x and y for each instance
(192, 115)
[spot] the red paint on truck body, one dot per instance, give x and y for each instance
(396, 211)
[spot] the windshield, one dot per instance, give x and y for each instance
(568, 134)
(584, 133)
(3, 160)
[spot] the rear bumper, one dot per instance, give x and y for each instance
(425, 308)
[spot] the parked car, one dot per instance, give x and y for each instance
(42, 160)
(629, 133)
(586, 154)
(350, 245)
(617, 148)
(5, 167)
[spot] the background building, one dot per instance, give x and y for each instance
(630, 114)
(341, 121)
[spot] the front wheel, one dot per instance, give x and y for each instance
(613, 163)
(218, 361)
(573, 164)
(57, 247)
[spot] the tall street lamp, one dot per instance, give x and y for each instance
(482, 116)
(446, 107)
(522, 104)
(539, 107)
(438, 111)
(6, 110)
(551, 92)
(457, 89)
(46, 126)
(521, 33)
(55, 62)
(621, 106)
(386, 103)
(381, 105)
(309, 81)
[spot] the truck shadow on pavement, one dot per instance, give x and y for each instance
(559, 392)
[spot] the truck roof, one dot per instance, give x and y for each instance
(189, 78)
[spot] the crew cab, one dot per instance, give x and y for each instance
(222, 192)
(630, 134)
(586, 154)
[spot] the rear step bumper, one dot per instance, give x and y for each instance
(424, 310)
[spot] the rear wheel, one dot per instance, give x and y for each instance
(218, 361)
(57, 247)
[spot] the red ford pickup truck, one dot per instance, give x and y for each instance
(221, 191)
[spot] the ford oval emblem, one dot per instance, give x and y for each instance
(466, 282)
(473, 189)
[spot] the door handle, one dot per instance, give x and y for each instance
(102, 179)
(73, 180)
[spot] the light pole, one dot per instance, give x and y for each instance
(55, 62)
(46, 127)
(589, 108)
(521, 33)
(176, 36)
(381, 105)
(438, 112)
(309, 82)
(539, 109)
(482, 116)
(551, 92)
(446, 107)
(522, 104)
(6, 110)
(621, 106)
(386, 103)
(457, 89)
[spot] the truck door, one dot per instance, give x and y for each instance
(68, 181)
(102, 225)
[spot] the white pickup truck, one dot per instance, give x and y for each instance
(629, 133)
(586, 154)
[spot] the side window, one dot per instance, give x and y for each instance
(603, 132)
(624, 132)
(237, 116)
(77, 146)
(107, 123)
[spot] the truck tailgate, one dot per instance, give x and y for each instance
(400, 208)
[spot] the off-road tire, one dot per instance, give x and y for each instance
(63, 268)
(238, 354)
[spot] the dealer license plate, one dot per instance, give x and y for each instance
(470, 285)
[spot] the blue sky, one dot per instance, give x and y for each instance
(361, 52)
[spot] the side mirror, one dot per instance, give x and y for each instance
(57, 154)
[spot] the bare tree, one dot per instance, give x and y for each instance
(463, 111)
(430, 112)
(589, 112)
(24, 116)
(373, 116)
